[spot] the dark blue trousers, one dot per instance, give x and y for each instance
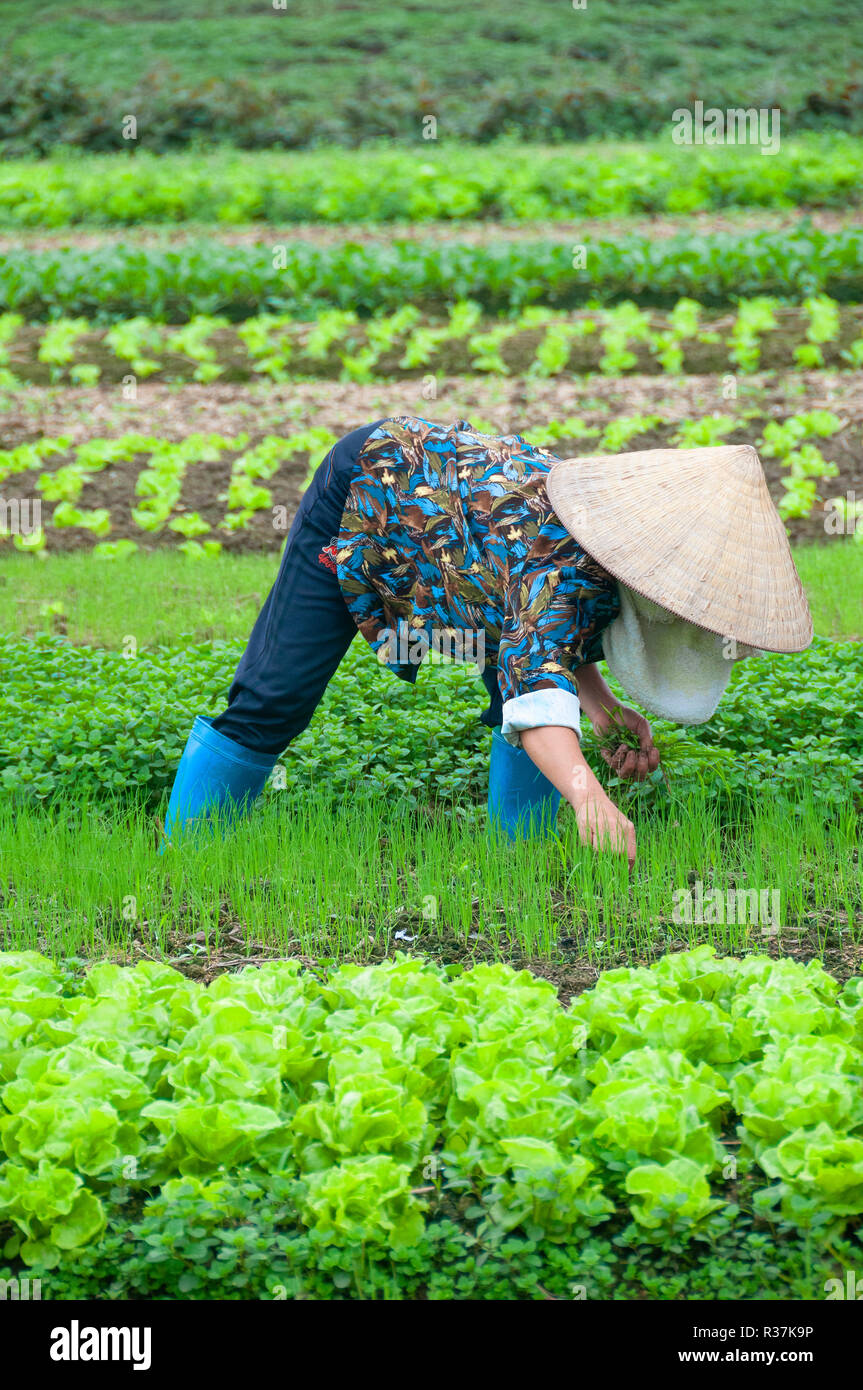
(304, 628)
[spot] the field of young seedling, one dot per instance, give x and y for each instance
(352, 1046)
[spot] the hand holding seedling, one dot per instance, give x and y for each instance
(626, 742)
(624, 736)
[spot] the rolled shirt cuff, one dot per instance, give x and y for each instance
(538, 708)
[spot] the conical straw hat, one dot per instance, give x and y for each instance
(696, 531)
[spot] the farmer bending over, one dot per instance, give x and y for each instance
(669, 563)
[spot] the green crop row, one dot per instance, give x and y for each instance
(759, 334)
(510, 182)
(160, 511)
(82, 722)
(301, 280)
(158, 484)
(387, 1095)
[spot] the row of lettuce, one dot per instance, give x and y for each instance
(512, 183)
(301, 278)
(383, 1098)
(758, 333)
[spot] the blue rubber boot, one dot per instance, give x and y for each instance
(521, 801)
(214, 772)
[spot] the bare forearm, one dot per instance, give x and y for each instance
(557, 753)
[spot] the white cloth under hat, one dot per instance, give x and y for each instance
(670, 667)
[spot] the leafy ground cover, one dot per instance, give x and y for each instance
(301, 280)
(784, 720)
(511, 182)
(235, 1237)
(390, 1116)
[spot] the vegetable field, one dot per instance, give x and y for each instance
(353, 1046)
(310, 74)
(306, 1106)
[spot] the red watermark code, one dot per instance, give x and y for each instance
(327, 557)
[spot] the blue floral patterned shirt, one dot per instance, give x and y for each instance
(448, 539)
